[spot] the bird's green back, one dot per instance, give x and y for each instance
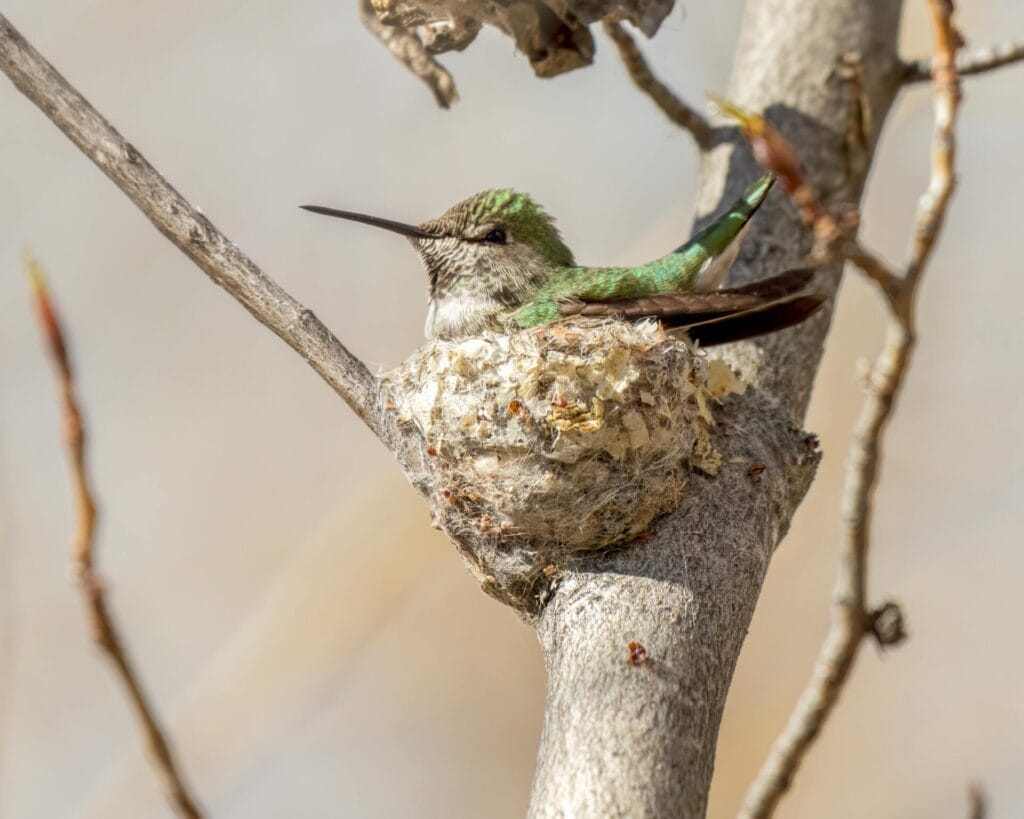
(677, 271)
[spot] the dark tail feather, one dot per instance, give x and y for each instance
(749, 323)
(775, 287)
(718, 316)
(691, 307)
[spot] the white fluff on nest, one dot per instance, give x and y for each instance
(571, 436)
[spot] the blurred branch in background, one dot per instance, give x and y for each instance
(974, 61)
(409, 49)
(554, 37)
(977, 808)
(852, 620)
(671, 105)
(104, 631)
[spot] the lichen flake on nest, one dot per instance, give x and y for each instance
(570, 436)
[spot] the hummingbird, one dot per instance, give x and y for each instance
(496, 261)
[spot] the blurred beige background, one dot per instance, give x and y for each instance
(315, 647)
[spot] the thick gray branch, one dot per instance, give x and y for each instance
(640, 740)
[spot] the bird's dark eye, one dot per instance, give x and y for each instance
(496, 237)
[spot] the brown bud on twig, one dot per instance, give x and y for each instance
(887, 625)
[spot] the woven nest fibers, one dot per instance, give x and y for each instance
(569, 437)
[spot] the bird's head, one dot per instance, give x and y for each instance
(484, 255)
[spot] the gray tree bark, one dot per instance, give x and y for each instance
(625, 740)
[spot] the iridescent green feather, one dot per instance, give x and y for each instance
(677, 271)
(525, 219)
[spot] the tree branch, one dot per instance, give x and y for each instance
(671, 105)
(851, 619)
(976, 807)
(104, 631)
(197, 237)
(968, 63)
(625, 740)
(409, 50)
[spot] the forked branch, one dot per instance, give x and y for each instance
(968, 63)
(104, 631)
(852, 620)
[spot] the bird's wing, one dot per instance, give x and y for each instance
(773, 316)
(718, 316)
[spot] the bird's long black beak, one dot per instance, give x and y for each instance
(402, 228)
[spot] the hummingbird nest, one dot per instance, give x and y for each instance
(561, 438)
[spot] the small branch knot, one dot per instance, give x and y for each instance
(887, 625)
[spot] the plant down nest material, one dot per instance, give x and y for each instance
(567, 437)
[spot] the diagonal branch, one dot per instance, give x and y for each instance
(196, 236)
(674, 108)
(852, 621)
(976, 61)
(104, 631)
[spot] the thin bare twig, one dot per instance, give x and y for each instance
(200, 240)
(931, 211)
(674, 108)
(104, 631)
(976, 803)
(852, 621)
(408, 49)
(975, 61)
(870, 265)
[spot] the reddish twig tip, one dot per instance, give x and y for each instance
(46, 315)
(104, 631)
